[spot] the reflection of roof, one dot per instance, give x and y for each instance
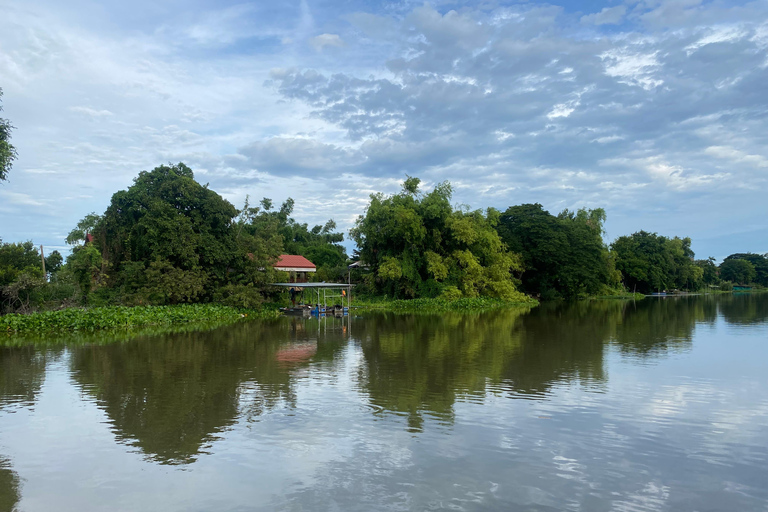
(293, 261)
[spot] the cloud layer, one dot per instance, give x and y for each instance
(655, 110)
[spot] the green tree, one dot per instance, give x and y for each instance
(710, 273)
(418, 245)
(738, 271)
(649, 262)
(53, 262)
(87, 266)
(563, 256)
(759, 261)
(86, 225)
(167, 216)
(17, 259)
(7, 151)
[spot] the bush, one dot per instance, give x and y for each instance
(240, 296)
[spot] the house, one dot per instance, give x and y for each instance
(297, 266)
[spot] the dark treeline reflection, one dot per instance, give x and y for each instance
(657, 325)
(744, 308)
(22, 372)
(422, 364)
(9, 487)
(170, 395)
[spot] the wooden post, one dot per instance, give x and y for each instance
(42, 259)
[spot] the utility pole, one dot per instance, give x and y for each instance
(42, 259)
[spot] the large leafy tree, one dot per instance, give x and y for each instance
(738, 270)
(419, 245)
(564, 255)
(7, 151)
(168, 217)
(650, 262)
(758, 261)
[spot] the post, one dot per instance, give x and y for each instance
(42, 259)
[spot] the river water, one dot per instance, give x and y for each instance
(660, 404)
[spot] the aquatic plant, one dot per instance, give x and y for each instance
(122, 317)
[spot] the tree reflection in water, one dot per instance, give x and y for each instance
(171, 395)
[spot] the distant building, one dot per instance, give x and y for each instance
(88, 238)
(297, 266)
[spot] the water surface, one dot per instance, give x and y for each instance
(660, 404)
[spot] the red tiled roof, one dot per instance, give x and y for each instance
(293, 261)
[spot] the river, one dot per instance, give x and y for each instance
(655, 405)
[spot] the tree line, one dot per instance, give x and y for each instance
(168, 239)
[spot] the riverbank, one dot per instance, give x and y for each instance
(123, 317)
(435, 305)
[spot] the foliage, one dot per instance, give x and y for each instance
(417, 245)
(87, 267)
(166, 215)
(650, 262)
(120, 317)
(86, 225)
(18, 295)
(17, 259)
(758, 261)
(7, 151)
(436, 305)
(738, 271)
(320, 244)
(710, 275)
(563, 256)
(53, 262)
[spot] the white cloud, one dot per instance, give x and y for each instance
(718, 35)
(608, 16)
(91, 111)
(324, 40)
(632, 68)
(736, 156)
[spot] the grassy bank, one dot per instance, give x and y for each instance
(621, 296)
(435, 305)
(121, 317)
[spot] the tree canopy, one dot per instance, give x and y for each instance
(418, 245)
(563, 256)
(740, 273)
(650, 262)
(7, 151)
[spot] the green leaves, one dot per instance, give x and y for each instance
(120, 317)
(418, 245)
(7, 151)
(564, 256)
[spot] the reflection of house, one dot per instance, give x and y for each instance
(298, 267)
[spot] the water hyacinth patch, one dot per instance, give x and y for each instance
(121, 317)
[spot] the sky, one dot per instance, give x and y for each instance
(655, 110)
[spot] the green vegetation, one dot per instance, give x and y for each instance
(651, 263)
(7, 151)
(168, 240)
(418, 245)
(563, 256)
(437, 305)
(120, 317)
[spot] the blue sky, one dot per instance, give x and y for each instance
(655, 110)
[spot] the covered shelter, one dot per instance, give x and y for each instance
(324, 292)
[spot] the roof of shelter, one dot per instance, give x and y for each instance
(293, 261)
